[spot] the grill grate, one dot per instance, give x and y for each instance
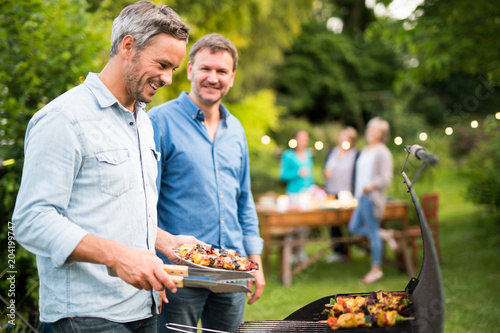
(268, 326)
(271, 326)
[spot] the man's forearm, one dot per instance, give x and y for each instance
(139, 267)
(96, 250)
(163, 240)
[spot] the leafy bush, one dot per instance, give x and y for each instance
(45, 47)
(465, 140)
(483, 172)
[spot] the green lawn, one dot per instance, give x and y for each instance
(470, 249)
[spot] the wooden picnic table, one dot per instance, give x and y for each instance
(276, 229)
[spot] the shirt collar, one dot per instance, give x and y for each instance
(104, 97)
(195, 112)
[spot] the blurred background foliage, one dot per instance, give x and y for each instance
(304, 64)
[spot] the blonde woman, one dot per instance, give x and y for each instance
(373, 175)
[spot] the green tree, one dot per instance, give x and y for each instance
(451, 66)
(452, 36)
(328, 76)
(46, 47)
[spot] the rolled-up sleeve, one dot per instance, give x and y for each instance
(253, 244)
(52, 159)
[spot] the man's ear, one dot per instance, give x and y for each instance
(233, 75)
(189, 71)
(127, 46)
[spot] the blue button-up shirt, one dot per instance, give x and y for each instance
(204, 185)
(90, 168)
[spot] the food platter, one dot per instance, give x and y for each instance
(192, 264)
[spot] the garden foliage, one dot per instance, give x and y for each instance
(45, 49)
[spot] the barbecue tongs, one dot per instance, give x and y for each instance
(217, 281)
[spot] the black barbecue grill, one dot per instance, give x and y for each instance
(425, 292)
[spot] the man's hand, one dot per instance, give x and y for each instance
(142, 269)
(166, 243)
(259, 282)
(139, 268)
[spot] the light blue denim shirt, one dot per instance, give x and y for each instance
(90, 168)
(205, 186)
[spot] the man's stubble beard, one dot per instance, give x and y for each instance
(132, 82)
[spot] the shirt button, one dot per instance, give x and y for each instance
(199, 112)
(131, 123)
(222, 222)
(221, 196)
(203, 123)
(115, 159)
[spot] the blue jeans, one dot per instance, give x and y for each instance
(223, 312)
(90, 324)
(363, 222)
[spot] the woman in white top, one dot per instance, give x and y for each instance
(374, 173)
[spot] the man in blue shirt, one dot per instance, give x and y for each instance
(88, 197)
(205, 181)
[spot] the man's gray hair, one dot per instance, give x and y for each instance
(215, 43)
(144, 20)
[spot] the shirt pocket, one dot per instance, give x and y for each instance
(115, 171)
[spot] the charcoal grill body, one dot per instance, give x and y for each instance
(426, 293)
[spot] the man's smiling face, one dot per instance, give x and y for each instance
(152, 67)
(211, 76)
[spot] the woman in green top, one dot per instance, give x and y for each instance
(296, 166)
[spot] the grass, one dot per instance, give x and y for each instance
(470, 249)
